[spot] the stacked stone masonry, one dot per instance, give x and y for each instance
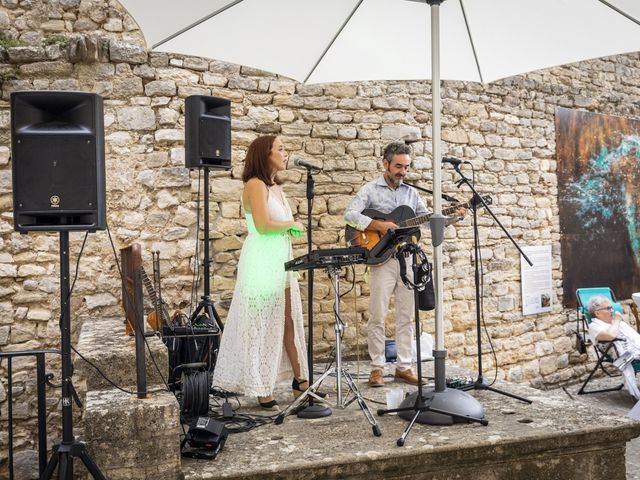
(506, 129)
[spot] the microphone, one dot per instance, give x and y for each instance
(453, 161)
(309, 166)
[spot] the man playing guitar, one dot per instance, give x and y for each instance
(385, 194)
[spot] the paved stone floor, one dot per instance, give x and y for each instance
(618, 402)
(347, 431)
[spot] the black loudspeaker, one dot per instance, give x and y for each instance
(207, 132)
(57, 144)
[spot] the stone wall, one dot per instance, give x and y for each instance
(506, 129)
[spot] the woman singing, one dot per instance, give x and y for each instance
(263, 340)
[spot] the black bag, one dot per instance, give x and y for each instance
(427, 297)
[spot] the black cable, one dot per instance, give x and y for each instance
(478, 252)
(129, 301)
(111, 382)
(195, 281)
(95, 367)
(240, 422)
(73, 284)
(196, 258)
(75, 277)
(353, 281)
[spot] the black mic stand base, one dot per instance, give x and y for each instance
(315, 411)
(480, 384)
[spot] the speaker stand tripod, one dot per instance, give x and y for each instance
(342, 401)
(69, 448)
(206, 303)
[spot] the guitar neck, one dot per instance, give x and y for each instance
(156, 274)
(150, 290)
(414, 222)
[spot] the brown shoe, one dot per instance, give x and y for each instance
(376, 379)
(407, 376)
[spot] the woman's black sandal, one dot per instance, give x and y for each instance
(297, 390)
(270, 405)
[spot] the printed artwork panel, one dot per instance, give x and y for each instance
(599, 201)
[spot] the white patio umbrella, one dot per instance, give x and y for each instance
(317, 41)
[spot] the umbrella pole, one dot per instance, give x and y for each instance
(440, 406)
(436, 106)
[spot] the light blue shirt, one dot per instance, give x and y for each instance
(378, 195)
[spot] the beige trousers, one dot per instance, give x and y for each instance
(384, 281)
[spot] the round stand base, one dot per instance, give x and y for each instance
(315, 411)
(448, 400)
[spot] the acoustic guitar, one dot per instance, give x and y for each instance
(402, 216)
(131, 262)
(159, 317)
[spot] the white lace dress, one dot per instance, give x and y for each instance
(252, 358)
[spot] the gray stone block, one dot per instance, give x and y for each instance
(103, 342)
(131, 438)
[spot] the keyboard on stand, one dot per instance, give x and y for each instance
(328, 257)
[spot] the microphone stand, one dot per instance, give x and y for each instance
(312, 410)
(480, 384)
(440, 405)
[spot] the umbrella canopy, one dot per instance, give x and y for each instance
(316, 41)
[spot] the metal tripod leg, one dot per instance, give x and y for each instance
(62, 458)
(341, 402)
(357, 396)
(401, 440)
(334, 272)
(422, 406)
(309, 392)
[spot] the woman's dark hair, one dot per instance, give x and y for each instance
(256, 163)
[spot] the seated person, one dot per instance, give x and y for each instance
(607, 325)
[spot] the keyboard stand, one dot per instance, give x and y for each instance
(339, 371)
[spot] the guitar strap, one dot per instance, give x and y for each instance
(403, 268)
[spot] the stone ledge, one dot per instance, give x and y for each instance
(104, 343)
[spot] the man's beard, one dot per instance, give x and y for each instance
(393, 179)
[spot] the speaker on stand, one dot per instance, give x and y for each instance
(57, 143)
(207, 146)
(207, 132)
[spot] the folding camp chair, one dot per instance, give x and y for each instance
(605, 351)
